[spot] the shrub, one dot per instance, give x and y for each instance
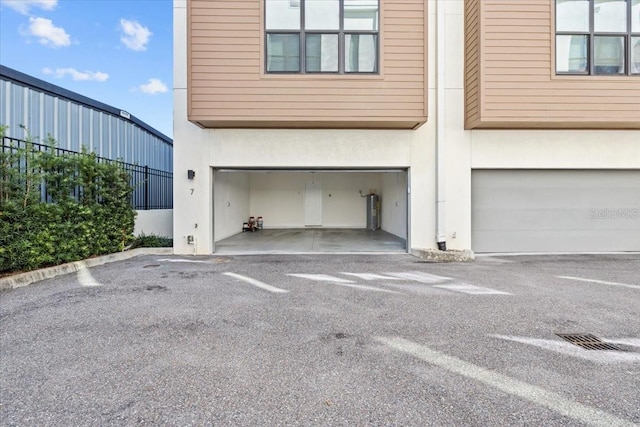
(86, 212)
(151, 241)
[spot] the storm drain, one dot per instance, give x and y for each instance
(589, 342)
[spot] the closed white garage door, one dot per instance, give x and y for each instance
(555, 210)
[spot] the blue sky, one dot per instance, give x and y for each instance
(115, 51)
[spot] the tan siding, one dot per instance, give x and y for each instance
(514, 44)
(228, 87)
(472, 63)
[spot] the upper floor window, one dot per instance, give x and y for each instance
(322, 36)
(598, 37)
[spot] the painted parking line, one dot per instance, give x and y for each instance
(366, 288)
(467, 288)
(256, 283)
(371, 276)
(568, 349)
(551, 400)
(418, 276)
(410, 276)
(631, 342)
(84, 276)
(601, 282)
(326, 278)
(192, 261)
(321, 278)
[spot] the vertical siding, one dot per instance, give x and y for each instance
(48, 116)
(74, 125)
(228, 86)
(472, 63)
(517, 79)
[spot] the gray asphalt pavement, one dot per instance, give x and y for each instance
(325, 340)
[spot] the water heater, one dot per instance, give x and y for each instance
(373, 212)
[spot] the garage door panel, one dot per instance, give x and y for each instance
(574, 211)
(560, 219)
(548, 241)
(558, 197)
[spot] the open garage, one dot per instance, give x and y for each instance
(334, 206)
(555, 210)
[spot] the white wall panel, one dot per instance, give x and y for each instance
(394, 203)
(231, 191)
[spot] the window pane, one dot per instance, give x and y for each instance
(635, 55)
(361, 15)
(608, 55)
(322, 15)
(321, 53)
(572, 15)
(635, 16)
(610, 15)
(282, 14)
(283, 52)
(571, 54)
(361, 53)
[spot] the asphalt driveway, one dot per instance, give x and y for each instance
(325, 340)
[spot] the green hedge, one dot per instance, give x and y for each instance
(34, 234)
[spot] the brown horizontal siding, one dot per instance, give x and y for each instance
(472, 63)
(227, 85)
(332, 122)
(517, 80)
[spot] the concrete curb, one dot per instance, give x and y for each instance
(436, 255)
(25, 279)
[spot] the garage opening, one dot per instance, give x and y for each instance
(310, 210)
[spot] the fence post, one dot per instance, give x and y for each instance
(146, 188)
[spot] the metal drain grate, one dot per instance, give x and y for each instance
(588, 342)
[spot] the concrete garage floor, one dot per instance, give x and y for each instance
(307, 240)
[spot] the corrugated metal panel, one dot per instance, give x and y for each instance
(4, 119)
(85, 128)
(48, 115)
(63, 125)
(105, 150)
(73, 125)
(95, 131)
(16, 108)
(32, 117)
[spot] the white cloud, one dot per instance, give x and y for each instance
(49, 34)
(23, 6)
(153, 87)
(77, 75)
(135, 36)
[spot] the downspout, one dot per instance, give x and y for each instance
(441, 236)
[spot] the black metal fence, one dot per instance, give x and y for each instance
(152, 188)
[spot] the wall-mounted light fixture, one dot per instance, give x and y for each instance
(191, 174)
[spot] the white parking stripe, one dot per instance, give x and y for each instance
(534, 394)
(322, 278)
(370, 276)
(633, 342)
(467, 288)
(84, 276)
(418, 276)
(366, 288)
(564, 347)
(602, 282)
(256, 283)
(192, 261)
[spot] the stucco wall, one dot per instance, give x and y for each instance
(157, 221)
